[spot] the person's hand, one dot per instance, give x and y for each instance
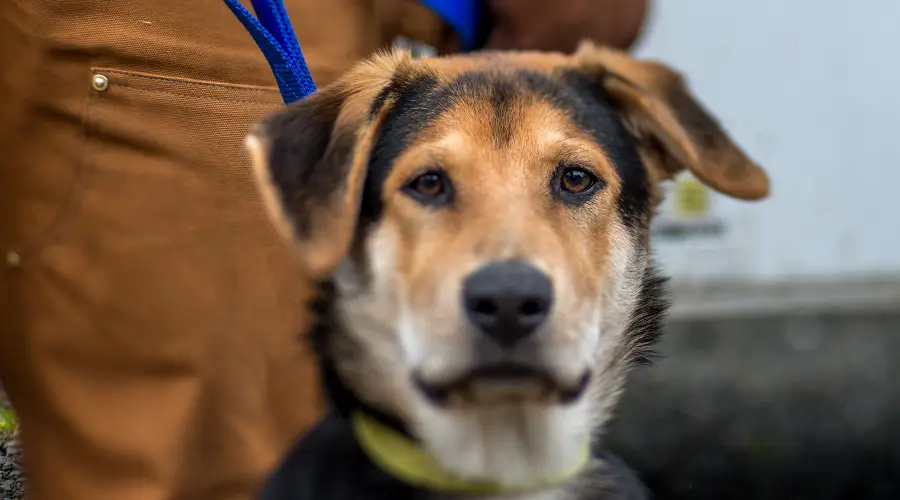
(560, 25)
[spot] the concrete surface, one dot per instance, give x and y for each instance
(795, 406)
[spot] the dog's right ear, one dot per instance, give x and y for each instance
(672, 128)
(310, 160)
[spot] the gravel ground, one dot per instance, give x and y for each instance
(11, 480)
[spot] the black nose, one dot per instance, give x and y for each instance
(507, 300)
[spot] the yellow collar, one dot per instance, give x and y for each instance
(402, 458)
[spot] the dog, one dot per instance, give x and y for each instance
(479, 226)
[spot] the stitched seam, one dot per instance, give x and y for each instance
(187, 82)
(194, 96)
(70, 206)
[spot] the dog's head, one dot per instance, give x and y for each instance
(484, 220)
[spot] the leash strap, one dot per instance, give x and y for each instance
(462, 15)
(271, 29)
(273, 32)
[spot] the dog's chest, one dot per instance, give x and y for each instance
(552, 494)
(604, 480)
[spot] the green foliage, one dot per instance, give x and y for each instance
(8, 422)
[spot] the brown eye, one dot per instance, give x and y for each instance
(576, 180)
(429, 184)
(429, 188)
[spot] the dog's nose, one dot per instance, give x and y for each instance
(507, 300)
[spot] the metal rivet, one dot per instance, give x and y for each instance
(13, 259)
(100, 83)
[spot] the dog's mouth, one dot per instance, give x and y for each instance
(503, 383)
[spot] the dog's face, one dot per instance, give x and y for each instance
(485, 222)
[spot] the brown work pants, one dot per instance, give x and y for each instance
(149, 313)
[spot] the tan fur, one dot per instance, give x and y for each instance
(258, 149)
(501, 192)
(657, 97)
(333, 224)
(399, 282)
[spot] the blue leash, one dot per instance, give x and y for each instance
(275, 36)
(273, 32)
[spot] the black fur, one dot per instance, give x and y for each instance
(593, 111)
(497, 90)
(309, 157)
(341, 399)
(646, 323)
(309, 160)
(420, 100)
(327, 463)
(406, 118)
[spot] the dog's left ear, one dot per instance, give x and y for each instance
(310, 161)
(673, 129)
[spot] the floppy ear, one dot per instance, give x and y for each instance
(673, 129)
(310, 161)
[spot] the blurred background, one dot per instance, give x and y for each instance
(777, 377)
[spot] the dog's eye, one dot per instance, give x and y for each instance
(430, 187)
(574, 184)
(576, 180)
(429, 184)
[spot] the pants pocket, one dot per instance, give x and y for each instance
(152, 330)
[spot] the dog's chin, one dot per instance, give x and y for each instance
(509, 440)
(508, 424)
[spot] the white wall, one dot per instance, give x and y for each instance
(811, 90)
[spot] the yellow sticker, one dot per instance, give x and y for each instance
(692, 198)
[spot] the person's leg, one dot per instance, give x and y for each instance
(148, 313)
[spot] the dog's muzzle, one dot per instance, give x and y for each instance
(503, 383)
(506, 304)
(507, 301)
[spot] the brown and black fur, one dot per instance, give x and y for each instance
(500, 130)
